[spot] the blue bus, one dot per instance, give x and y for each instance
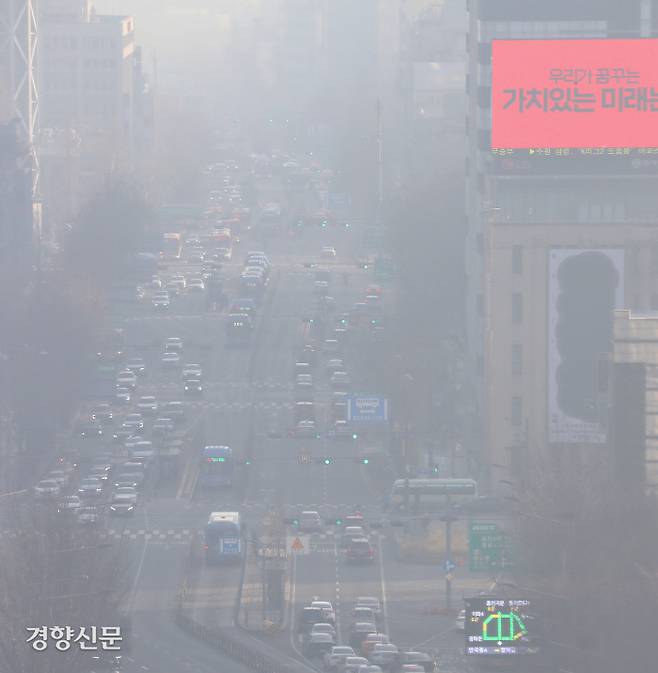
(216, 470)
(223, 538)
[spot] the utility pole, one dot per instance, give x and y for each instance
(449, 566)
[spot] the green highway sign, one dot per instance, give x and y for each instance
(488, 547)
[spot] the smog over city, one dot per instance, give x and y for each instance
(328, 336)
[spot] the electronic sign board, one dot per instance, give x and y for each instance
(500, 627)
(574, 93)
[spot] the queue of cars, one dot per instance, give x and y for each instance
(368, 650)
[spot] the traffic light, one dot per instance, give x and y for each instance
(355, 435)
(364, 460)
(435, 469)
(247, 462)
(326, 460)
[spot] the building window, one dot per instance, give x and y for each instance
(517, 411)
(517, 359)
(517, 259)
(517, 307)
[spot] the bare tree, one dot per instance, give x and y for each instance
(54, 574)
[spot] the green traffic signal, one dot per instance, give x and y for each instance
(327, 460)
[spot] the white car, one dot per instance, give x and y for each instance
(352, 664)
(384, 654)
(327, 610)
(173, 344)
(328, 252)
(192, 371)
(126, 379)
(196, 285)
(310, 522)
(324, 627)
(336, 658)
(339, 379)
(368, 602)
(47, 488)
(147, 404)
(170, 359)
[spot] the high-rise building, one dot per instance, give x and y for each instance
(562, 229)
(96, 110)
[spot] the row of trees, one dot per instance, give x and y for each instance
(51, 315)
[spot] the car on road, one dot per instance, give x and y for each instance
(324, 627)
(192, 371)
(369, 668)
(62, 477)
(303, 380)
(369, 642)
(341, 429)
(170, 359)
(147, 405)
(162, 427)
(327, 610)
(305, 429)
(161, 300)
(175, 410)
(102, 413)
(384, 655)
(360, 550)
(125, 490)
(136, 366)
(351, 533)
(363, 614)
(87, 515)
(320, 288)
(142, 451)
(360, 631)
(133, 422)
(99, 472)
(335, 659)
(173, 345)
(126, 379)
(316, 645)
(193, 387)
(368, 602)
(196, 285)
(334, 365)
(352, 664)
(420, 659)
(340, 380)
(90, 487)
(130, 479)
(328, 252)
(47, 489)
(69, 503)
(310, 522)
(123, 504)
(91, 431)
(122, 395)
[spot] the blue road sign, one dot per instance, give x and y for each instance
(449, 565)
(367, 408)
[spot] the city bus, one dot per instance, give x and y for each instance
(430, 495)
(172, 246)
(223, 539)
(216, 469)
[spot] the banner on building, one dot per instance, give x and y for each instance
(592, 93)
